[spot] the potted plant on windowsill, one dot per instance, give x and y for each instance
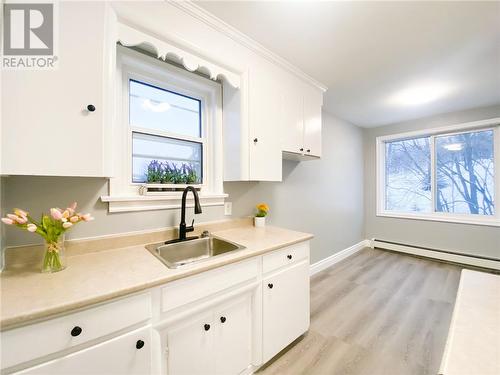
(52, 229)
(164, 177)
(260, 216)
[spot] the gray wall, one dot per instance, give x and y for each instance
(324, 197)
(474, 239)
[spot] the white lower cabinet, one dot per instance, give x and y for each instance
(233, 345)
(214, 342)
(190, 346)
(285, 308)
(226, 321)
(123, 355)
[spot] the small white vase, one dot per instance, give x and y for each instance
(259, 222)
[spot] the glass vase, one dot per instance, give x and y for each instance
(54, 258)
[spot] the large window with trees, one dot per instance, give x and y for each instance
(445, 174)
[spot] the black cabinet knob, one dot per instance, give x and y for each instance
(76, 331)
(255, 140)
(289, 256)
(270, 286)
(207, 327)
(223, 319)
(139, 344)
(302, 149)
(91, 108)
(308, 150)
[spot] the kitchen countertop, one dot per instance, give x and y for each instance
(473, 345)
(28, 295)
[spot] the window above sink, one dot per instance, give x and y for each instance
(168, 134)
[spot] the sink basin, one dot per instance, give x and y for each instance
(178, 254)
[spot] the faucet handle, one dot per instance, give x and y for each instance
(191, 227)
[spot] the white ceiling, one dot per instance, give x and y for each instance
(368, 52)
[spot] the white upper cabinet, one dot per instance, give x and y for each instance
(313, 100)
(292, 119)
(264, 119)
(47, 128)
(301, 120)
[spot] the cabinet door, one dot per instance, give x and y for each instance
(292, 127)
(47, 129)
(122, 355)
(233, 339)
(286, 308)
(191, 346)
(264, 125)
(312, 123)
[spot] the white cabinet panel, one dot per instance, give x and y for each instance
(312, 124)
(301, 120)
(46, 127)
(233, 336)
(122, 355)
(286, 308)
(264, 119)
(191, 346)
(292, 128)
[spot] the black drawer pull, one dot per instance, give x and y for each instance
(207, 327)
(289, 256)
(270, 286)
(255, 140)
(91, 108)
(139, 344)
(223, 319)
(308, 150)
(76, 331)
(301, 149)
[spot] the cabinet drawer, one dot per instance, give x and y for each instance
(284, 257)
(37, 340)
(190, 289)
(123, 355)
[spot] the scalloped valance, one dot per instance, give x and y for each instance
(130, 37)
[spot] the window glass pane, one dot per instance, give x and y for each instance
(408, 175)
(158, 109)
(165, 160)
(465, 173)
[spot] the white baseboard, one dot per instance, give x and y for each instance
(337, 257)
(447, 256)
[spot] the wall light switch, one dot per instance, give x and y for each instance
(228, 208)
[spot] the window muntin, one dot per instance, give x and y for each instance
(467, 160)
(465, 168)
(167, 144)
(155, 108)
(408, 175)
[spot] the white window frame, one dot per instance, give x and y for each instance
(124, 194)
(493, 220)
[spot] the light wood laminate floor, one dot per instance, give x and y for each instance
(377, 312)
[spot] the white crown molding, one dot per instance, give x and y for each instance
(228, 30)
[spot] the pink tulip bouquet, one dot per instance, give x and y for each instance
(52, 228)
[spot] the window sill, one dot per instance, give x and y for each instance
(159, 202)
(457, 219)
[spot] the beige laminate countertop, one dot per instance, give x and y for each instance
(473, 345)
(28, 295)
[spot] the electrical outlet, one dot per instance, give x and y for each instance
(228, 208)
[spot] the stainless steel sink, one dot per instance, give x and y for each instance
(178, 254)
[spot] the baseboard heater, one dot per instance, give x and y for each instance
(449, 256)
